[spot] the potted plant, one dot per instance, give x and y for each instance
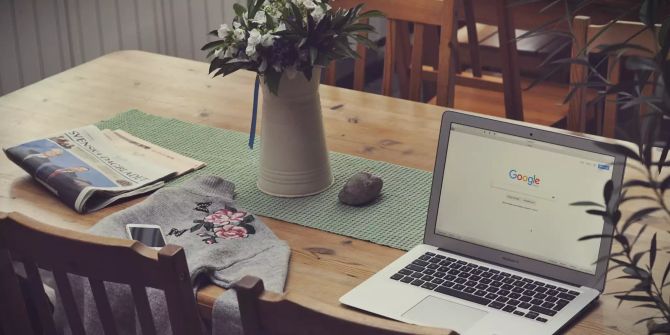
(287, 43)
(649, 68)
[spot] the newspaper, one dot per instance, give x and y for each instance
(88, 168)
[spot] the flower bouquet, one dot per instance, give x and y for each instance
(272, 37)
(287, 42)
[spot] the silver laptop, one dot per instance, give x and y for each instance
(501, 253)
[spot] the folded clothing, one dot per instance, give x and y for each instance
(222, 244)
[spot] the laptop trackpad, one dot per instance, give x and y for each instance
(436, 312)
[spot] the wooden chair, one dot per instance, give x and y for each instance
(100, 259)
(398, 59)
(587, 38)
(276, 314)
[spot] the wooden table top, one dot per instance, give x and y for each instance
(323, 266)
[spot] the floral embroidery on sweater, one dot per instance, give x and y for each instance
(225, 223)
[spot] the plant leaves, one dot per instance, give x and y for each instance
(212, 44)
(590, 237)
(652, 252)
(634, 297)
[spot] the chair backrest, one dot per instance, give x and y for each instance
(99, 259)
(270, 313)
(397, 58)
(587, 38)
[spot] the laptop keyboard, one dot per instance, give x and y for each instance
(513, 294)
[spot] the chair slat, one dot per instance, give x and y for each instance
(39, 297)
(359, 64)
(609, 112)
(445, 67)
(415, 65)
(104, 309)
(143, 310)
(330, 74)
(578, 74)
(473, 39)
(69, 304)
(402, 49)
(13, 316)
(389, 55)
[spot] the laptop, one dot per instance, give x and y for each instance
(500, 253)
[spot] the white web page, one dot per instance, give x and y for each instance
(514, 195)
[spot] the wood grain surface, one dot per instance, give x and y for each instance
(323, 265)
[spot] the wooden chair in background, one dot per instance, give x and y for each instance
(276, 314)
(416, 62)
(587, 38)
(400, 58)
(100, 259)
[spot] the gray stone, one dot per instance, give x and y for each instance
(361, 189)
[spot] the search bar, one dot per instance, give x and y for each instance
(516, 190)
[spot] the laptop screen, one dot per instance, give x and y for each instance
(513, 194)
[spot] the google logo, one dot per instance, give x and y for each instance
(531, 180)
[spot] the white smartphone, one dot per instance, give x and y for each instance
(149, 234)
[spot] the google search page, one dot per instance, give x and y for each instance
(514, 194)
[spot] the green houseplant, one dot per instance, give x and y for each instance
(648, 87)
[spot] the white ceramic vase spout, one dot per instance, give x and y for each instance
(294, 158)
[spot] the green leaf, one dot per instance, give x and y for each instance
(634, 297)
(272, 78)
(659, 328)
(607, 191)
(369, 14)
(652, 252)
(215, 64)
(356, 27)
(637, 216)
(212, 44)
(665, 273)
(586, 203)
(214, 33)
(239, 10)
(596, 212)
(590, 237)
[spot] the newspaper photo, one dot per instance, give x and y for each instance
(88, 168)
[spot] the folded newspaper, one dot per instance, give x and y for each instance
(89, 168)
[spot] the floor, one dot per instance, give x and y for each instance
(543, 104)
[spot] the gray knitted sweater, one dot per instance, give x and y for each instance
(222, 244)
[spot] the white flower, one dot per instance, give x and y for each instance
(309, 4)
(267, 40)
(318, 14)
(259, 17)
(217, 52)
(254, 37)
(251, 52)
(230, 52)
(239, 34)
(236, 25)
(280, 27)
(223, 31)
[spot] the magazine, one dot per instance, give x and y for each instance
(88, 168)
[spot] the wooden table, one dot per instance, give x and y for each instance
(323, 265)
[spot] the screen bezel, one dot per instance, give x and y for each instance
(555, 272)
